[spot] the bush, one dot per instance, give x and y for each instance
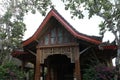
(9, 71)
(104, 72)
(99, 72)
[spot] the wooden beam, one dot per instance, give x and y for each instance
(31, 52)
(37, 41)
(85, 50)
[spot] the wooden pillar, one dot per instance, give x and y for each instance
(43, 72)
(34, 70)
(37, 67)
(23, 65)
(48, 77)
(77, 64)
(109, 62)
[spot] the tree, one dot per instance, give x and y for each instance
(109, 10)
(11, 33)
(12, 27)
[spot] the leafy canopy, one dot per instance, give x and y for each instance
(12, 27)
(109, 10)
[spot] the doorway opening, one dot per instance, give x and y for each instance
(59, 67)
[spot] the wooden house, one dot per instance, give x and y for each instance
(59, 52)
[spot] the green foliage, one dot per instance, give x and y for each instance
(31, 74)
(109, 10)
(12, 27)
(2, 71)
(102, 28)
(11, 71)
(90, 74)
(11, 34)
(74, 6)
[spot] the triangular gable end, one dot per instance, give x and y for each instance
(57, 16)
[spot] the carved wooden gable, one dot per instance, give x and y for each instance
(56, 34)
(57, 40)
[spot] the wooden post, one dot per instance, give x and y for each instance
(23, 65)
(37, 70)
(77, 64)
(43, 72)
(34, 70)
(48, 73)
(109, 62)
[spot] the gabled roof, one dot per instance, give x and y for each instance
(57, 16)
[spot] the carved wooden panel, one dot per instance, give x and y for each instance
(68, 51)
(56, 35)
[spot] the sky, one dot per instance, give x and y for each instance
(86, 26)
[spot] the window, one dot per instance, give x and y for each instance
(56, 35)
(60, 36)
(46, 40)
(53, 36)
(66, 37)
